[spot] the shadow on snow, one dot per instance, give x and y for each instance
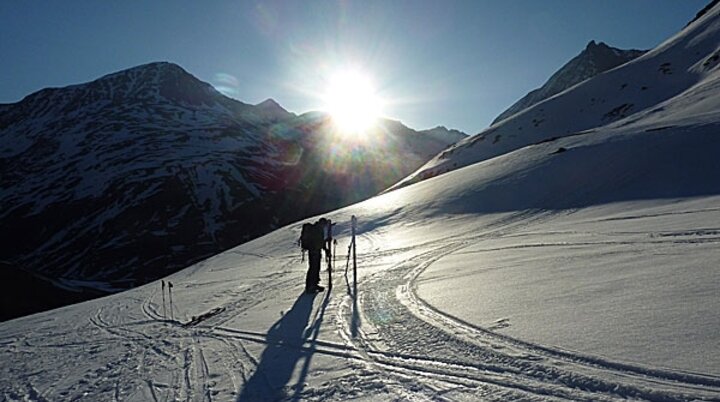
(284, 350)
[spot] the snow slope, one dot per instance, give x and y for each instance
(587, 274)
(674, 67)
(593, 60)
(579, 268)
(485, 283)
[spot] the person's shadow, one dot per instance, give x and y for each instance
(285, 347)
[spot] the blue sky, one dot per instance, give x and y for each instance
(455, 63)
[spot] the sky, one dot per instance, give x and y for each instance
(452, 63)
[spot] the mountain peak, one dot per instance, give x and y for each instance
(153, 81)
(704, 11)
(270, 109)
(269, 103)
(159, 66)
(592, 45)
(445, 134)
(596, 58)
(149, 72)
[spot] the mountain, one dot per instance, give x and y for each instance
(704, 11)
(442, 133)
(270, 110)
(595, 59)
(647, 84)
(580, 268)
(110, 184)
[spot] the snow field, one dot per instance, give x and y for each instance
(575, 268)
(391, 341)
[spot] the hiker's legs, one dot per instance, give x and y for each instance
(313, 275)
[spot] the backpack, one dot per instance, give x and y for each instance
(312, 236)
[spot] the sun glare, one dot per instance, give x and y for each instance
(352, 102)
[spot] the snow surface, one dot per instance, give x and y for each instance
(580, 268)
(668, 74)
(633, 283)
(589, 274)
(593, 60)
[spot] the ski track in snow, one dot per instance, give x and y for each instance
(393, 344)
(404, 335)
(380, 340)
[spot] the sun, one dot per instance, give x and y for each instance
(352, 101)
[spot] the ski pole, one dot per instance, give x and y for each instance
(347, 261)
(329, 257)
(354, 248)
(172, 312)
(163, 292)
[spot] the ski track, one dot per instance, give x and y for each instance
(427, 341)
(203, 372)
(393, 343)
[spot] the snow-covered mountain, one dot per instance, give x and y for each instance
(579, 268)
(115, 182)
(593, 60)
(644, 84)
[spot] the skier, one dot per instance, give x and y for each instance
(314, 239)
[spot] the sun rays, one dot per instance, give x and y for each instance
(352, 101)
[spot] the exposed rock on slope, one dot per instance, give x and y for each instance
(124, 179)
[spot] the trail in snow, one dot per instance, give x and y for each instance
(404, 335)
(241, 330)
(380, 340)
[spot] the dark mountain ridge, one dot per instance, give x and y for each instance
(113, 183)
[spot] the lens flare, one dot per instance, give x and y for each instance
(227, 84)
